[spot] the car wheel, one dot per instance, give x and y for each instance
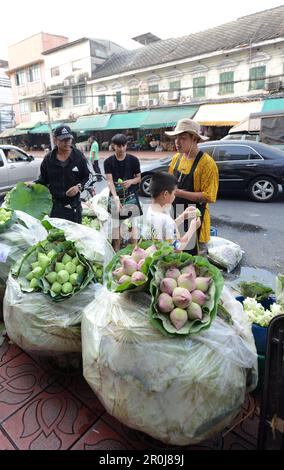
(263, 189)
(145, 185)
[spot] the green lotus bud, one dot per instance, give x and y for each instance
(74, 279)
(51, 254)
(80, 269)
(37, 272)
(51, 277)
(70, 267)
(75, 260)
(59, 267)
(56, 287)
(34, 283)
(197, 213)
(62, 276)
(35, 264)
(66, 259)
(29, 276)
(67, 288)
(43, 260)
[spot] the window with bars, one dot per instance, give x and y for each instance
(257, 78)
(40, 106)
(20, 77)
(54, 72)
(153, 91)
(174, 85)
(33, 73)
(199, 87)
(57, 102)
(24, 107)
(118, 97)
(79, 95)
(102, 101)
(134, 96)
(226, 83)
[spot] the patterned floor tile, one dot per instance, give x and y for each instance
(102, 437)
(8, 352)
(20, 380)
(5, 444)
(53, 420)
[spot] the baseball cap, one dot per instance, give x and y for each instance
(63, 132)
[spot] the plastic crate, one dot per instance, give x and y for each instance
(259, 332)
(213, 232)
(261, 369)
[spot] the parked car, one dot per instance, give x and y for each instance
(16, 165)
(251, 167)
(253, 137)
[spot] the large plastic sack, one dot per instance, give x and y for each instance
(38, 325)
(224, 253)
(15, 241)
(178, 390)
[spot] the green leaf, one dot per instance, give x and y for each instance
(255, 290)
(161, 321)
(35, 200)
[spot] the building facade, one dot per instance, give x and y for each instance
(6, 108)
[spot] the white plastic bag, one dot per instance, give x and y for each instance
(178, 390)
(224, 253)
(38, 325)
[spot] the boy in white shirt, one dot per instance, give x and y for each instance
(161, 225)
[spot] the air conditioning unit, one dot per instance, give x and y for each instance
(142, 103)
(120, 107)
(73, 80)
(274, 86)
(173, 95)
(153, 102)
(105, 108)
(111, 106)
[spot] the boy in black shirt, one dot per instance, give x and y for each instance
(123, 176)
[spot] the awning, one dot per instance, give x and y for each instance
(44, 128)
(167, 117)
(247, 125)
(8, 132)
(27, 125)
(274, 104)
(131, 120)
(94, 122)
(225, 114)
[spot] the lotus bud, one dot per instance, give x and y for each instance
(181, 297)
(194, 311)
(140, 264)
(199, 297)
(138, 254)
(168, 285)
(173, 272)
(178, 317)
(187, 281)
(165, 303)
(203, 283)
(190, 269)
(150, 250)
(138, 276)
(129, 266)
(117, 273)
(123, 279)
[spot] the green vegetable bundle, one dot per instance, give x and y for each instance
(91, 222)
(7, 218)
(130, 267)
(255, 290)
(54, 267)
(185, 293)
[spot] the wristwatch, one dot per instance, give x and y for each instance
(79, 187)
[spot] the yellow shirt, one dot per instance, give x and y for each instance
(206, 180)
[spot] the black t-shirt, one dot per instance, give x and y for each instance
(125, 169)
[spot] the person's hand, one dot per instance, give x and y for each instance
(72, 191)
(126, 184)
(117, 203)
(189, 212)
(195, 224)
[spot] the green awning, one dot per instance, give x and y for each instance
(9, 132)
(95, 122)
(274, 104)
(168, 117)
(44, 128)
(131, 120)
(27, 125)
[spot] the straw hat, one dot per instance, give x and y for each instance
(187, 125)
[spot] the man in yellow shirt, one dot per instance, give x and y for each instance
(197, 176)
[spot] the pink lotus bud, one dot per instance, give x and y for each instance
(150, 250)
(165, 303)
(181, 297)
(138, 276)
(190, 269)
(187, 281)
(123, 279)
(138, 254)
(199, 297)
(129, 266)
(194, 311)
(140, 264)
(173, 273)
(203, 283)
(168, 285)
(178, 317)
(117, 273)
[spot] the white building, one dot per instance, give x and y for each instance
(6, 98)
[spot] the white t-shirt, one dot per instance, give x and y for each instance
(160, 226)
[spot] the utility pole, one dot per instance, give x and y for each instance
(46, 98)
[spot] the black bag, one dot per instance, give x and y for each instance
(131, 206)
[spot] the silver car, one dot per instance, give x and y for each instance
(16, 165)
